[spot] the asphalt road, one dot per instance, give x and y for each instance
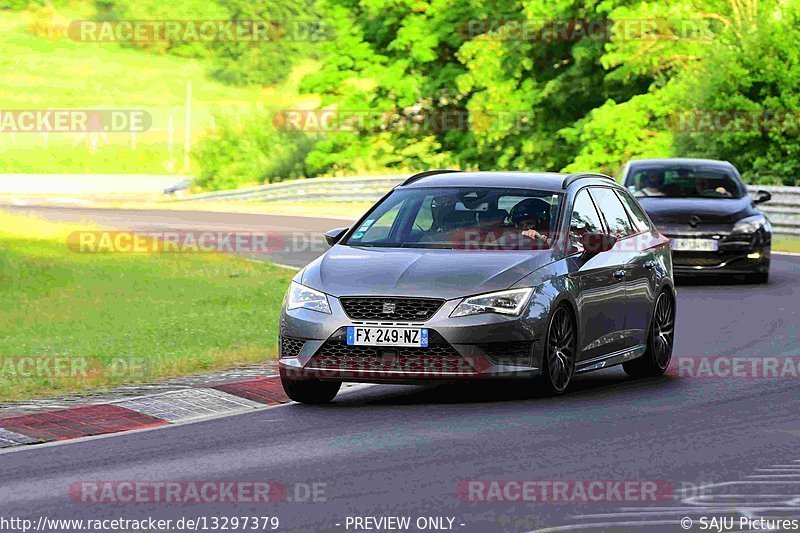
(293, 240)
(403, 451)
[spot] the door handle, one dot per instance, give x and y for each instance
(619, 274)
(650, 265)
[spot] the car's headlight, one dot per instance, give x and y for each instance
(508, 302)
(307, 298)
(750, 224)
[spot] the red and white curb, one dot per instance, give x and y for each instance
(162, 409)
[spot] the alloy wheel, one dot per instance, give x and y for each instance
(663, 330)
(561, 341)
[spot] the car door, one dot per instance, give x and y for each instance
(601, 297)
(642, 272)
(618, 224)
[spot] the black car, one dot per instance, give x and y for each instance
(704, 208)
(475, 275)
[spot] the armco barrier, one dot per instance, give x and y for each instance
(783, 210)
(366, 188)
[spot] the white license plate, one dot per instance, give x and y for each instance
(695, 245)
(378, 336)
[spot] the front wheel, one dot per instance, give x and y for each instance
(660, 339)
(560, 352)
(311, 391)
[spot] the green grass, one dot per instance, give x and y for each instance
(161, 315)
(59, 73)
(785, 244)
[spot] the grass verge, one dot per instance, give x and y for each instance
(345, 210)
(785, 244)
(40, 73)
(124, 318)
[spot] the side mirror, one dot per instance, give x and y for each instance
(762, 196)
(595, 243)
(333, 236)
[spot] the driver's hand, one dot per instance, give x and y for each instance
(535, 235)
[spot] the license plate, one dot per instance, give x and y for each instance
(695, 245)
(377, 336)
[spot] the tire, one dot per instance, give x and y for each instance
(310, 391)
(660, 340)
(560, 352)
(757, 278)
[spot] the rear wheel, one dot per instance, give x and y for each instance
(559, 352)
(311, 391)
(660, 340)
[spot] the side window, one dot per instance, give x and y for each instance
(613, 212)
(424, 220)
(584, 218)
(635, 211)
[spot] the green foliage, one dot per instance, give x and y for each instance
(18, 5)
(755, 68)
(251, 152)
(290, 28)
(581, 103)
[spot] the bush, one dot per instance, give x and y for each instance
(236, 154)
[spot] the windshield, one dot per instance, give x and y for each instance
(683, 182)
(473, 218)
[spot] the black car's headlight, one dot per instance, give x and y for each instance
(751, 224)
(304, 297)
(509, 302)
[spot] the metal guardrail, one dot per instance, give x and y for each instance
(783, 210)
(357, 189)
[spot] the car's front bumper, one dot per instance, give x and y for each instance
(313, 346)
(738, 253)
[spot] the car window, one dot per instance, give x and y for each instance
(584, 218)
(683, 182)
(373, 230)
(613, 212)
(424, 219)
(484, 218)
(635, 211)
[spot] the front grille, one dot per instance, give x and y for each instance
(390, 309)
(515, 352)
(435, 359)
(291, 347)
(696, 261)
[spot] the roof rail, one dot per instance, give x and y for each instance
(425, 174)
(580, 175)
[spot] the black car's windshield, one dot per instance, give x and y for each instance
(683, 182)
(481, 218)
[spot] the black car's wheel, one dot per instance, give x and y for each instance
(660, 340)
(559, 352)
(312, 391)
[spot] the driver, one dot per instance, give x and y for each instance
(704, 186)
(532, 216)
(653, 183)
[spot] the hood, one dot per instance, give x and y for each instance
(353, 271)
(709, 211)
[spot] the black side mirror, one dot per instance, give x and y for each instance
(596, 242)
(333, 236)
(762, 196)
